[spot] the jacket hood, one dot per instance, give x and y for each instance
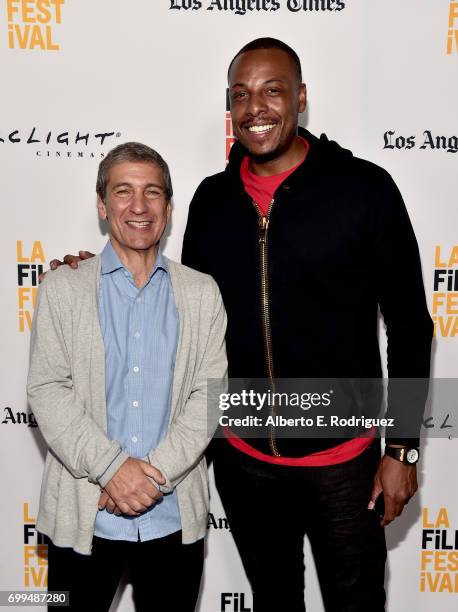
(321, 149)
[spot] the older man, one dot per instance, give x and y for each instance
(121, 352)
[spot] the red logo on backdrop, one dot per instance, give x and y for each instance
(230, 139)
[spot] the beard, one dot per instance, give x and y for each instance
(264, 158)
(275, 153)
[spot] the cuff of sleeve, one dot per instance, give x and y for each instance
(111, 469)
(163, 488)
(410, 442)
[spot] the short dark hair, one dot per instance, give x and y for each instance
(132, 152)
(270, 43)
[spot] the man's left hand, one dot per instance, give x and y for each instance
(397, 483)
(106, 502)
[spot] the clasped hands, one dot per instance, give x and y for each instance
(131, 490)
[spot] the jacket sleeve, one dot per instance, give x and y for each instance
(193, 240)
(190, 433)
(69, 430)
(401, 296)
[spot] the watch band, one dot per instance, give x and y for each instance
(407, 455)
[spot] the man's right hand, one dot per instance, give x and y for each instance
(131, 489)
(70, 260)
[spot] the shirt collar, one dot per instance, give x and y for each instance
(111, 262)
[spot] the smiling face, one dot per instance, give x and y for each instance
(135, 206)
(266, 97)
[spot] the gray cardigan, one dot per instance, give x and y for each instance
(66, 391)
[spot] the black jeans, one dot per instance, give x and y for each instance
(270, 508)
(165, 573)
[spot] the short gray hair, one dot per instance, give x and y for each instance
(132, 152)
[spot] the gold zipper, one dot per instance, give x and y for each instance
(263, 229)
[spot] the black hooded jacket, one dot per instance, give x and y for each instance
(340, 245)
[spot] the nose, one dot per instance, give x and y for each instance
(256, 104)
(139, 203)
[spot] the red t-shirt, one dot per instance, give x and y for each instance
(262, 189)
(330, 456)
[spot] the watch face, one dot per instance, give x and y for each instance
(412, 455)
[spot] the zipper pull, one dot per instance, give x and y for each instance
(263, 226)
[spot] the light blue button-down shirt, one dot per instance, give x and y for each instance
(140, 333)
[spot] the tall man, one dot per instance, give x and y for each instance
(121, 351)
(304, 241)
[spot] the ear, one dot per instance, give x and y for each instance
(101, 208)
(169, 210)
(302, 97)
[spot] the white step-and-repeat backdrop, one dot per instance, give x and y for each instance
(78, 77)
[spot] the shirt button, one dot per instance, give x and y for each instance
(134, 439)
(137, 335)
(135, 404)
(136, 369)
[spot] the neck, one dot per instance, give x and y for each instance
(286, 160)
(139, 263)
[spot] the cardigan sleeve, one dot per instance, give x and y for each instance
(64, 420)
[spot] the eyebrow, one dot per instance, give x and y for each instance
(116, 185)
(276, 80)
